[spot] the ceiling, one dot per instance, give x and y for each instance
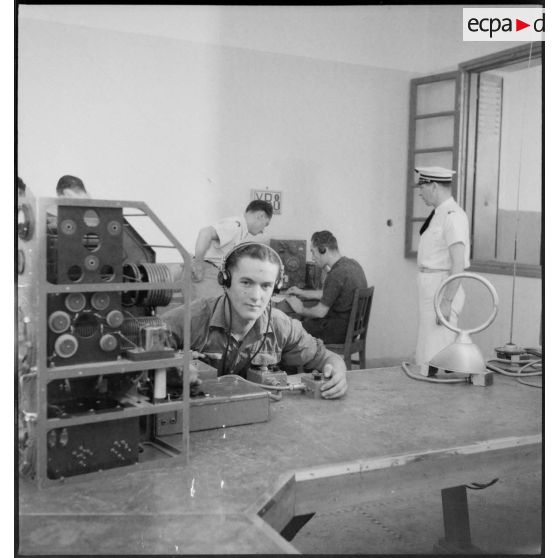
(411, 38)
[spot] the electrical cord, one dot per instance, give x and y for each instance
(263, 337)
(229, 334)
(290, 387)
(520, 381)
(520, 372)
(405, 366)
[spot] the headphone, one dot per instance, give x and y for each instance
(224, 277)
(324, 238)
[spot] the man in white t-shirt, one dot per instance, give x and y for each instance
(216, 241)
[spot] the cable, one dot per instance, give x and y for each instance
(495, 368)
(290, 387)
(517, 200)
(263, 338)
(405, 365)
(520, 381)
(229, 334)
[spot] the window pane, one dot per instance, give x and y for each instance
(528, 226)
(508, 170)
(437, 96)
(438, 159)
(489, 107)
(434, 132)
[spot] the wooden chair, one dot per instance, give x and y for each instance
(355, 340)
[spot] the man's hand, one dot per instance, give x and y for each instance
(198, 271)
(294, 291)
(336, 380)
(295, 303)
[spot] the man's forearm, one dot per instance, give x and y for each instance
(203, 242)
(318, 311)
(311, 294)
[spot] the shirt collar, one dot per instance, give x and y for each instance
(341, 258)
(446, 204)
(218, 318)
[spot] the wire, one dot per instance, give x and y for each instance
(263, 337)
(520, 372)
(127, 339)
(229, 334)
(290, 387)
(520, 381)
(405, 365)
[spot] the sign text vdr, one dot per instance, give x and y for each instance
(274, 197)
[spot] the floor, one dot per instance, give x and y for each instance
(505, 518)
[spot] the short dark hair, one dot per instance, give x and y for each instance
(69, 182)
(324, 239)
(253, 250)
(21, 187)
(260, 205)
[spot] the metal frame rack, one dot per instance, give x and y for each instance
(36, 370)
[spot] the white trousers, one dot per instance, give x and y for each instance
(432, 338)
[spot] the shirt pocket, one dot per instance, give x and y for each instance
(437, 233)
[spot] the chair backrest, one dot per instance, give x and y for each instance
(360, 315)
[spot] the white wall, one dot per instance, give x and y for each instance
(190, 128)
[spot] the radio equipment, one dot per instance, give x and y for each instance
(93, 358)
(293, 256)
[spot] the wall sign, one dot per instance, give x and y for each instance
(274, 197)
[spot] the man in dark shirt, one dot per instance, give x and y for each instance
(328, 320)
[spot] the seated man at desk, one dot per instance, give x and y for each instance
(239, 327)
(328, 320)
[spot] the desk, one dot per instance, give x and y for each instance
(211, 505)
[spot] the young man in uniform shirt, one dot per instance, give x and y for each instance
(443, 250)
(239, 328)
(329, 319)
(216, 241)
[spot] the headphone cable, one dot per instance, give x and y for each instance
(263, 339)
(229, 334)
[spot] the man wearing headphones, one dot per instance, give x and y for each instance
(329, 319)
(239, 328)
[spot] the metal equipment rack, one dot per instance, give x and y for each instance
(35, 372)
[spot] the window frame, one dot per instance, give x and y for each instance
(461, 193)
(467, 70)
(412, 150)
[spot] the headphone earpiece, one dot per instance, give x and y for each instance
(322, 250)
(224, 278)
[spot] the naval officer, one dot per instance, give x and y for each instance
(443, 250)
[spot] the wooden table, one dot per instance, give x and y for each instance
(243, 484)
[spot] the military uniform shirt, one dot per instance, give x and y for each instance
(448, 226)
(284, 339)
(231, 231)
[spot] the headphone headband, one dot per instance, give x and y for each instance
(224, 276)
